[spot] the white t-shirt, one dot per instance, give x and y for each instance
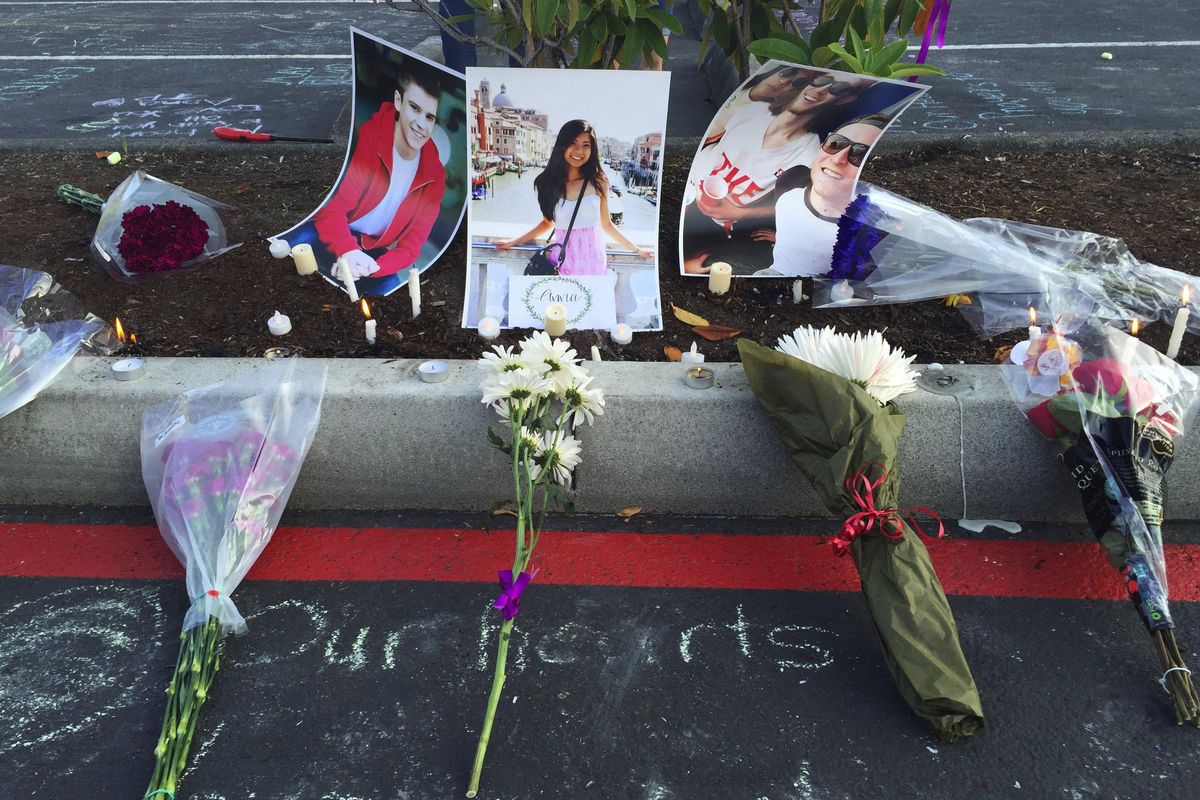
(376, 221)
(804, 239)
(748, 168)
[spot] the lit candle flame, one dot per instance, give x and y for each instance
(1134, 327)
(1032, 315)
(120, 331)
(366, 309)
(1185, 296)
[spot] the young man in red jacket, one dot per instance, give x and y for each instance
(390, 195)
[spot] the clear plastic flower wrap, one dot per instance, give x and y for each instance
(893, 250)
(1120, 410)
(219, 464)
(151, 227)
(42, 327)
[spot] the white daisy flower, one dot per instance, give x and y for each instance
(805, 343)
(557, 455)
(870, 362)
(547, 356)
(529, 439)
(503, 359)
(514, 391)
(583, 404)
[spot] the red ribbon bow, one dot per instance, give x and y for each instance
(861, 490)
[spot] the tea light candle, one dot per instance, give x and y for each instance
(369, 325)
(279, 324)
(414, 290)
(302, 256)
(433, 371)
(720, 275)
(622, 333)
(1181, 321)
(841, 292)
(281, 249)
(595, 353)
(556, 319)
(489, 328)
(113, 158)
(341, 270)
(692, 356)
(699, 378)
(128, 369)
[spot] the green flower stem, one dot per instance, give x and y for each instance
(78, 197)
(198, 661)
(485, 734)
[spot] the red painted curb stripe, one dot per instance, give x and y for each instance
(1070, 570)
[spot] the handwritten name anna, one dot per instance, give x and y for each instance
(552, 296)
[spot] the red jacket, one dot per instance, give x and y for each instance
(366, 182)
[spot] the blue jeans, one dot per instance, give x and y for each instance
(458, 55)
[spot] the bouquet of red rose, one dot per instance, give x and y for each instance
(149, 227)
(219, 464)
(1120, 409)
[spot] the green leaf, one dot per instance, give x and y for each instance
(889, 55)
(631, 9)
(908, 18)
(573, 11)
(761, 21)
(823, 56)
(546, 12)
(632, 48)
(588, 42)
(782, 50)
(663, 19)
(527, 13)
(858, 19)
(890, 12)
(874, 12)
(652, 37)
(916, 69)
(616, 26)
(498, 442)
(825, 34)
(853, 63)
(857, 42)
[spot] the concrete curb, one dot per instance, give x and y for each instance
(388, 441)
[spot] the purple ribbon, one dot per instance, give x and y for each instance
(509, 601)
(938, 16)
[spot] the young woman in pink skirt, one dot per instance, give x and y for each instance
(574, 169)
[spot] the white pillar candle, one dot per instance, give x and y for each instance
(342, 271)
(692, 356)
(281, 249)
(595, 353)
(279, 324)
(1181, 321)
(369, 325)
(556, 319)
(302, 256)
(798, 295)
(719, 276)
(622, 333)
(489, 328)
(414, 290)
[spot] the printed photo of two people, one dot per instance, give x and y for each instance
(778, 166)
(565, 163)
(399, 199)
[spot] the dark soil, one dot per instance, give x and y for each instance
(1149, 198)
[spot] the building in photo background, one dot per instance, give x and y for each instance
(553, 129)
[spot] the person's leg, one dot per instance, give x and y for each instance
(655, 62)
(458, 55)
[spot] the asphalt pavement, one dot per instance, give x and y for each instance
(100, 70)
(661, 658)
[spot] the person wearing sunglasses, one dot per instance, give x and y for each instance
(761, 88)
(809, 201)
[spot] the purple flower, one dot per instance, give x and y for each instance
(858, 233)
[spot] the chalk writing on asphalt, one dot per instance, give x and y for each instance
(314, 75)
(183, 114)
(18, 82)
(1001, 102)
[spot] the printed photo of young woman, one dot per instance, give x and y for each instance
(564, 189)
(777, 167)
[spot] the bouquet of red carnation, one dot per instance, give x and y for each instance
(1120, 410)
(151, 227)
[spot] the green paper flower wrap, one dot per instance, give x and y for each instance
(831, 429)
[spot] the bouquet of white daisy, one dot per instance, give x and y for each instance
(542, 392)
(830, 397)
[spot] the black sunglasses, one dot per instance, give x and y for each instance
(834, 87)
(836, 143)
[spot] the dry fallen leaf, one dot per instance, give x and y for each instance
(715, 333)
(1001, 354)
(243, 189)
(673, 353)
(501, 508)
(687, 317)
(627, 513)
(103, 153)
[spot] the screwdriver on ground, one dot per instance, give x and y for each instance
(243, 135)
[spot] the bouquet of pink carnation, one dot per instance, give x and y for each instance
(219, 464)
